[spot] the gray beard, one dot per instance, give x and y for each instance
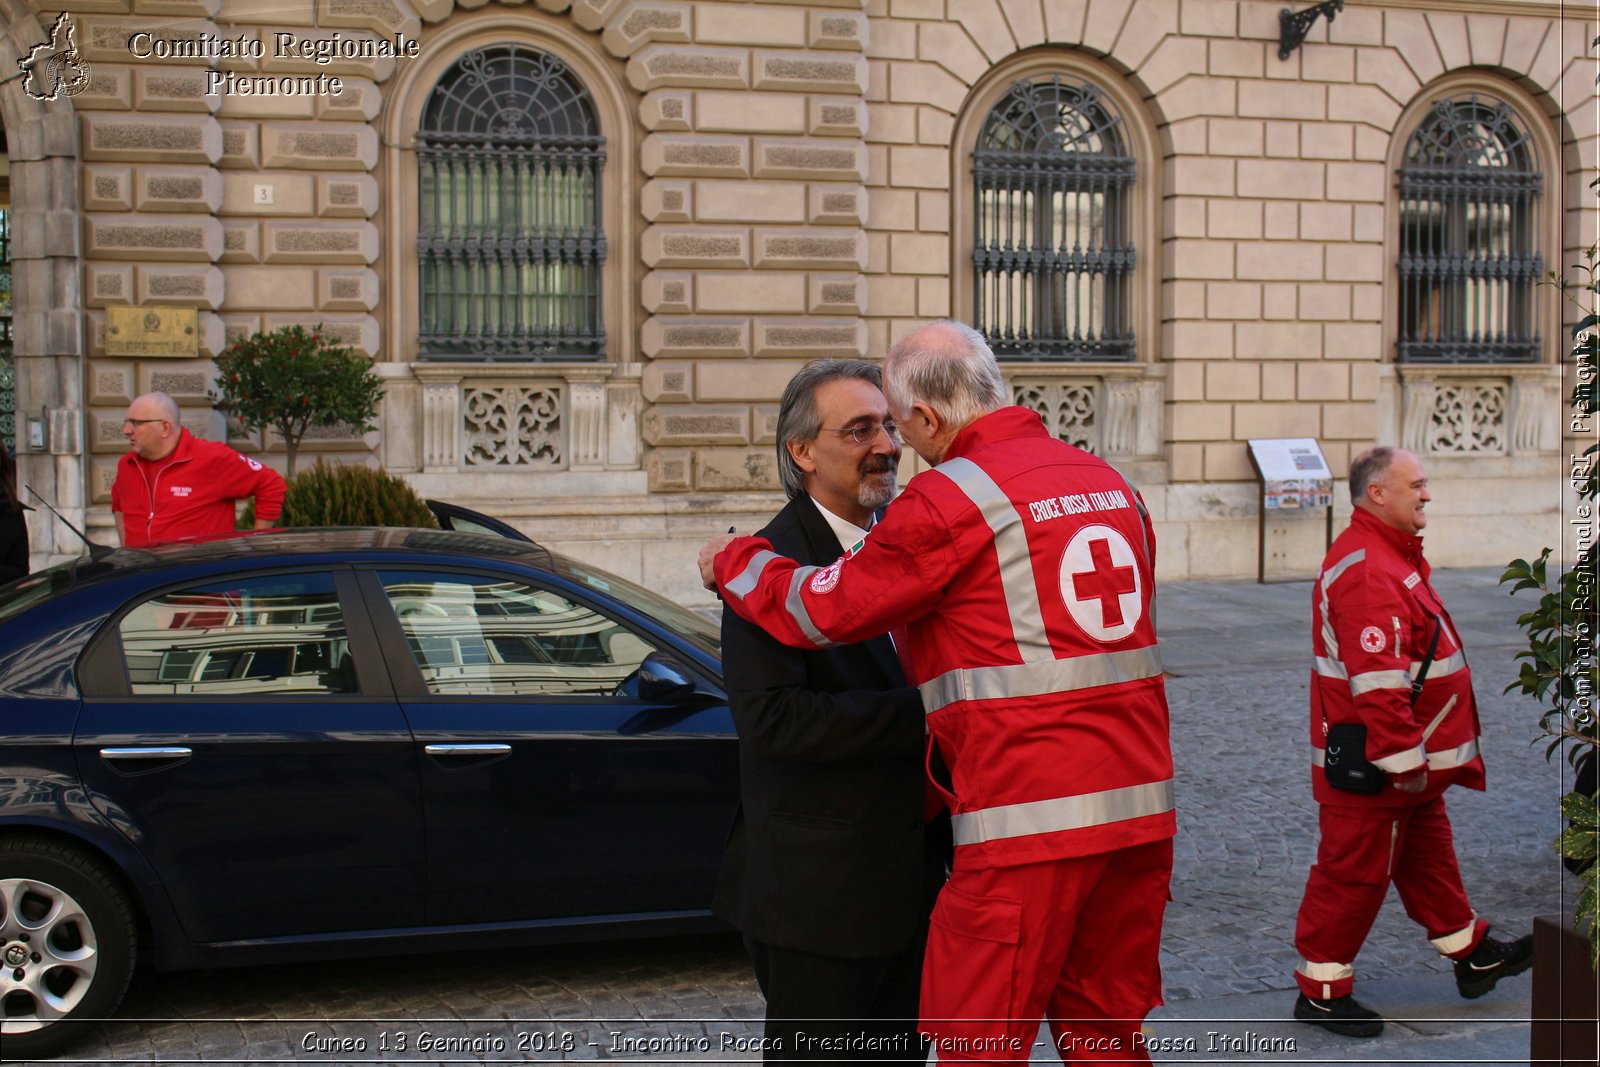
(874, 495)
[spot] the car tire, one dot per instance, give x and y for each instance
(80, 949)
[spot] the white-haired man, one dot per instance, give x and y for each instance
(1022, 569)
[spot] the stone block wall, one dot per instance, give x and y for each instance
(792, 180)
(255, 209)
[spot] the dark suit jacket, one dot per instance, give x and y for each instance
(827, 853)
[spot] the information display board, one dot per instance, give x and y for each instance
(1293, 472)
(1292, 475)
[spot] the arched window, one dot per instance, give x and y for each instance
(1469, 247)
(1053, 252)
(509, 241)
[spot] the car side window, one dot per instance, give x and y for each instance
(269, 636)
(477, 635)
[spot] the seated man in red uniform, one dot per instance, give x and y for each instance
(1378, 629)
(173, 485)
(1023, 571)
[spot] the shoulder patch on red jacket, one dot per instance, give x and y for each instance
(1371, 639)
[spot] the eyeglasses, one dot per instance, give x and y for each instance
(138, 422)
(864, 433)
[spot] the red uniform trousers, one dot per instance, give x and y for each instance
(1076, 940)
(1362, 850)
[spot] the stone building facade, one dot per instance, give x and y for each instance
(593, 348)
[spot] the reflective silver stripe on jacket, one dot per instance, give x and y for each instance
(1062, 813)
(745, 583)
(1442, 668)
(1036, 679)
(1367, 681)
(1329, 668)
(1459, 756)
(1011, 546)
(796, 607)
(1330, 640)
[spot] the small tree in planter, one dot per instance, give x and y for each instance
(293, 379)
(1560, 669)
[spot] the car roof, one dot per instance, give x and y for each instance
(324, 544)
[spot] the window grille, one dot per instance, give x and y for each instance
(1469, 254)
(509, 241)
(1053, 254)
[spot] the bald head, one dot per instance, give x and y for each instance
(152, 428)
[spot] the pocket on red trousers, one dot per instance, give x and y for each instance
(969, 972)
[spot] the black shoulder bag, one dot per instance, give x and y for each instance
(1345, 766)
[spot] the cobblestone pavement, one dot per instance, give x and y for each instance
(1237, 657)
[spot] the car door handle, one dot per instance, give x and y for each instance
(466, 750)
(145, 753)
(145, 760)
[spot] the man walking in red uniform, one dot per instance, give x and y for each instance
(172, 484)
(1378, 630)
(1022, 570)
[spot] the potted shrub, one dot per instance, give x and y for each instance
(292, 379)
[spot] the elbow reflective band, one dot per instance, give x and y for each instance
(745, 583)
(795, 605)
(1062, 813)
(1037, 679)
(1366, 683)
(1011, 547)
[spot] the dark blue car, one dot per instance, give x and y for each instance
(342, 742)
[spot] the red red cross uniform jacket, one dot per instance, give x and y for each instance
(1373, 617)
(193, 494)
(1023, 571)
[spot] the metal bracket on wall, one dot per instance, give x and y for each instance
(1294, 25)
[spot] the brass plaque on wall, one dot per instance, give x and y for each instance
(155, 331)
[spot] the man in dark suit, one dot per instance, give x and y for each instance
(830, 872)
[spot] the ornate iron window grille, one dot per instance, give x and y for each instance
(1469, 258)
(510, 246)
(1053, 254)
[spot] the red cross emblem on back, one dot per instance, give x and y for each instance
(1106, 583)
(1100, 583)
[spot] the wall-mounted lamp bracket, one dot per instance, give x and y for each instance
(1294, 25)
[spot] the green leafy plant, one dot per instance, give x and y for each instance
(337, 494)
(1560, 664)
(293, 379)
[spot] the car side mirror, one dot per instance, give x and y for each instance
(663, 680)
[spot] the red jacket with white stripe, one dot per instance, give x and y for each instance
(193, 494)
(1022, 569)
(1373, 614)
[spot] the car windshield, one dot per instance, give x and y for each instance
(695, 629)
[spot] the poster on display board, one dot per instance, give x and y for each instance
(1293, 472)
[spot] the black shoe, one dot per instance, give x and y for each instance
(1343, 1015)
(1491, 961)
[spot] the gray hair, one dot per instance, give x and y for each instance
(949, 367)
(164, 404)
(1367, 468)
(798, 418)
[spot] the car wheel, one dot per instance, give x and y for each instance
(67, 942)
